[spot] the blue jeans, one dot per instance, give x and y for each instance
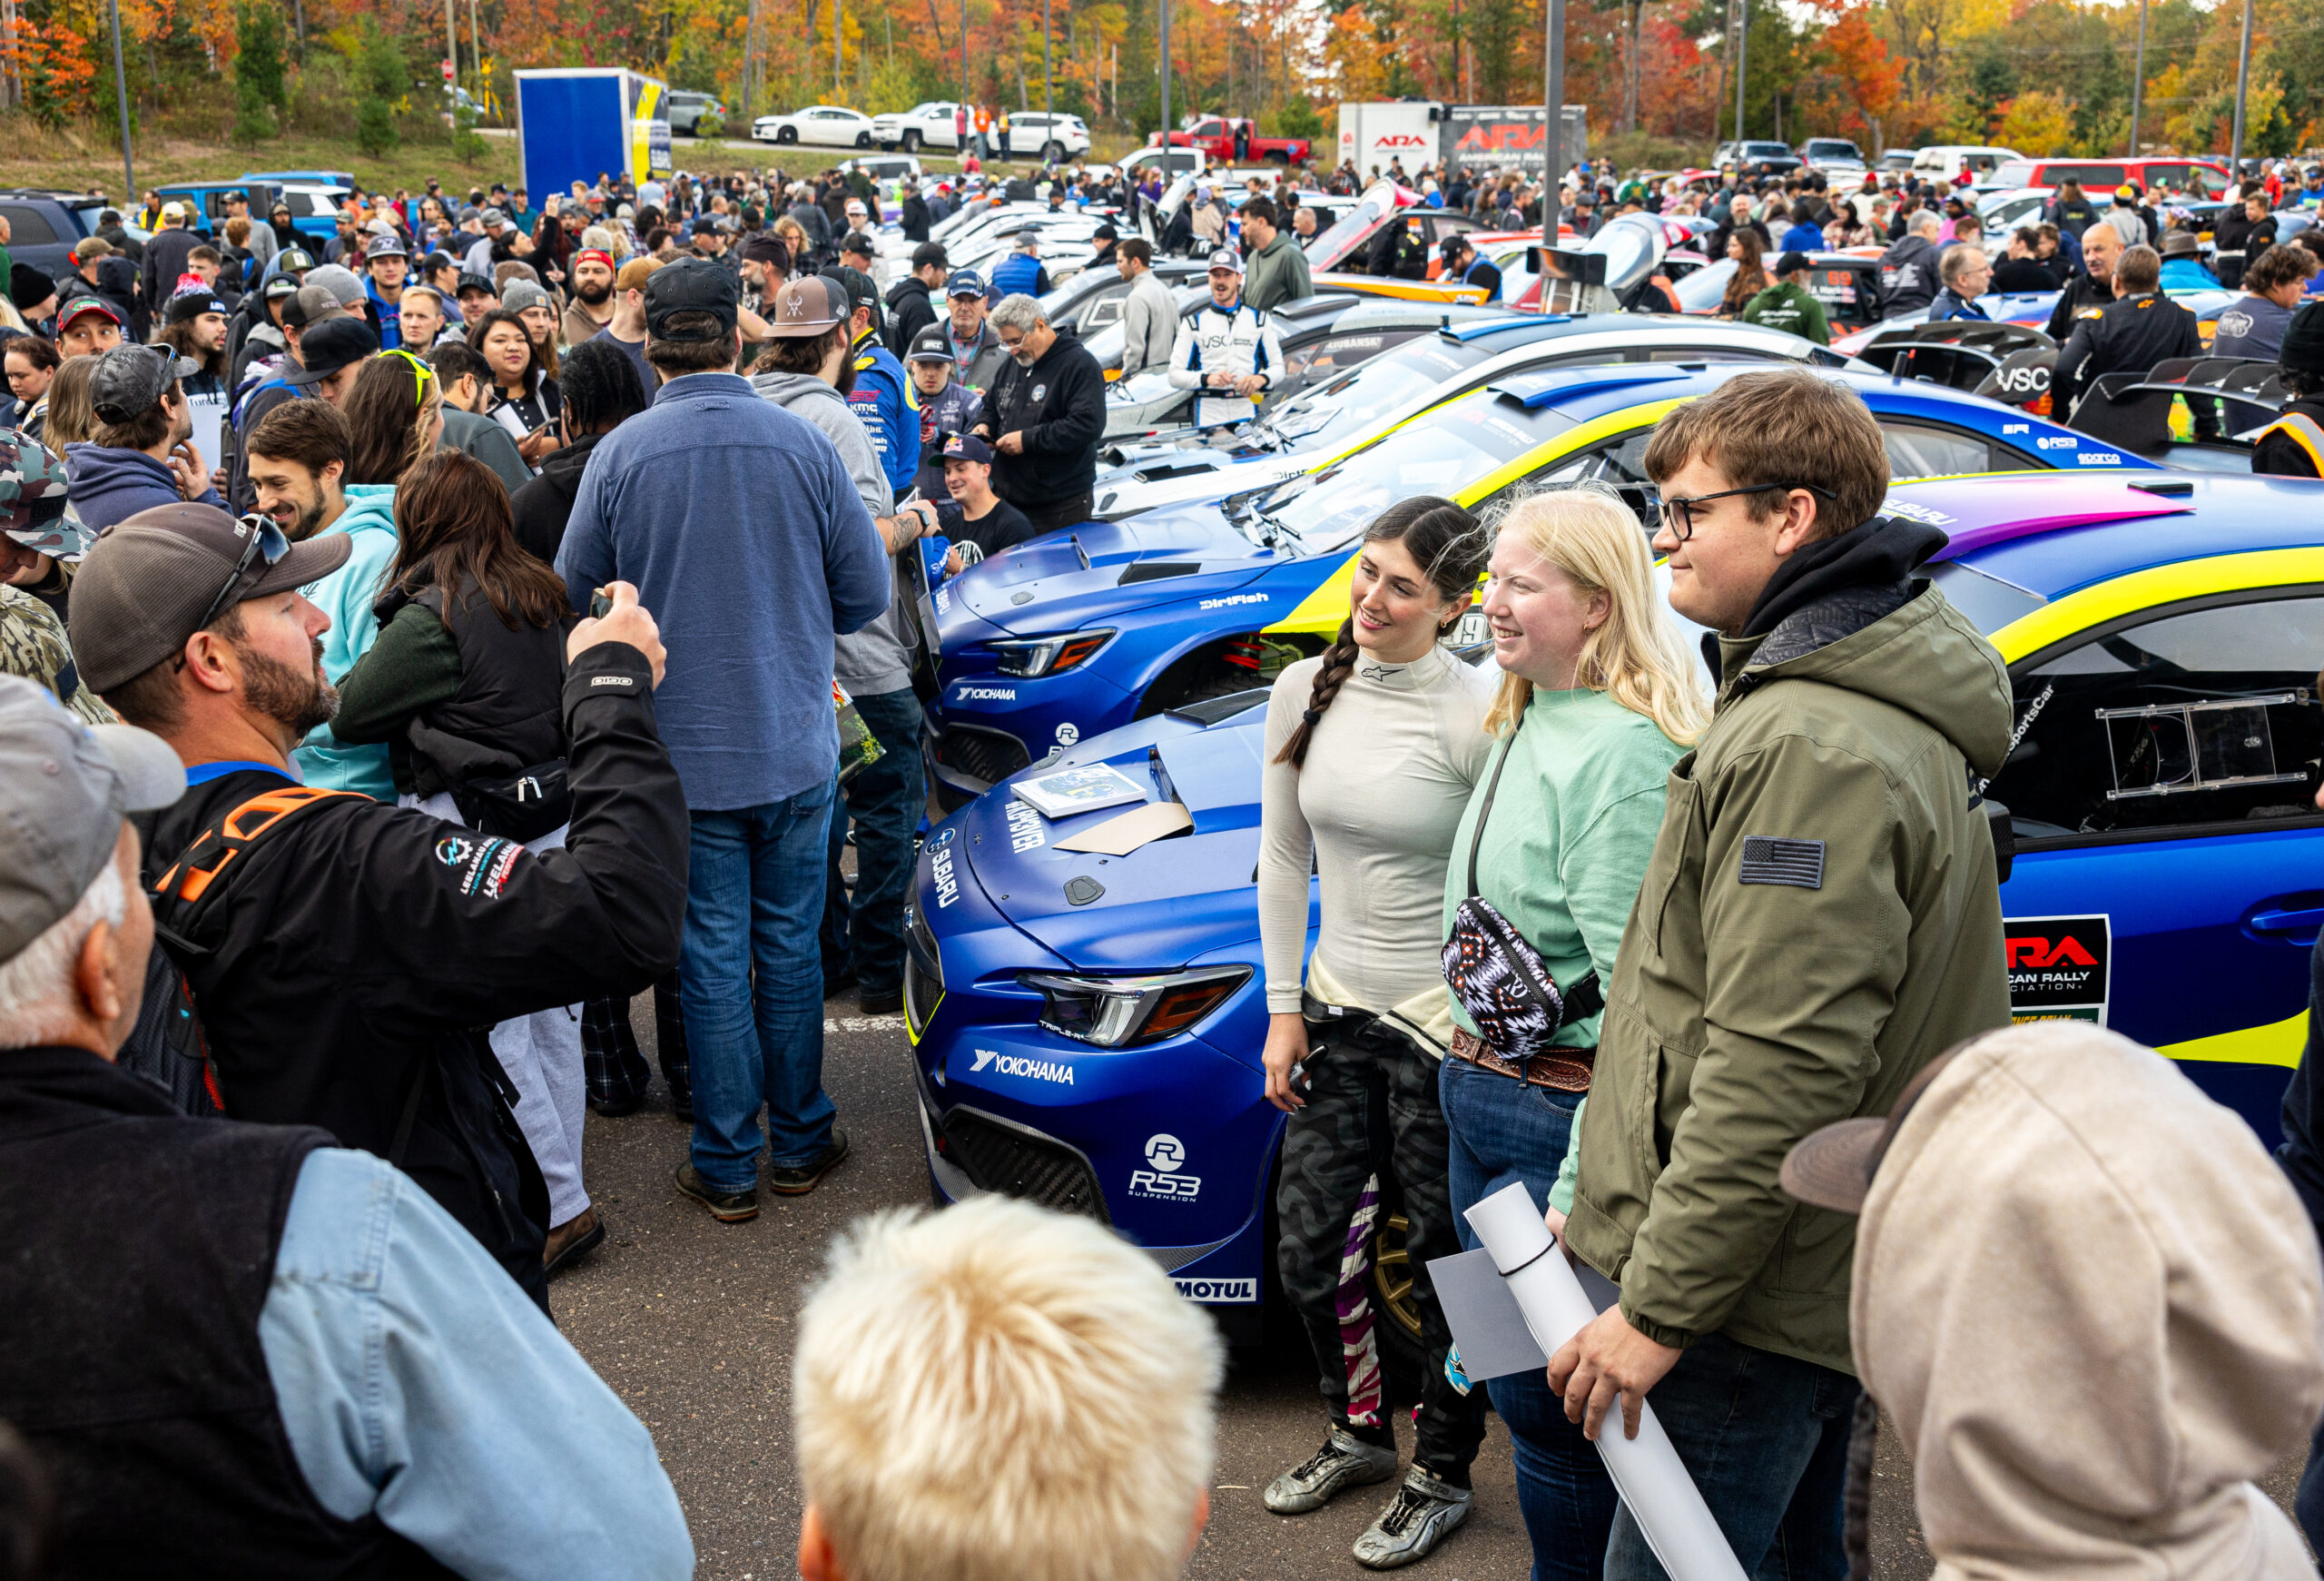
(1765, 1438)
(753, 987)
(1504, 1131)
(864, 928)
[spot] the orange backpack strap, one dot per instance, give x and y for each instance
(178, 895)
(2302, 430)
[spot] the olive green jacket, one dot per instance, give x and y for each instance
(1762, 990)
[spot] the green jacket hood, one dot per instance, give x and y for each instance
(1925, 657)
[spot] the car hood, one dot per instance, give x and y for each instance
(1211, 477)
(1063, 580)
(1164, 904)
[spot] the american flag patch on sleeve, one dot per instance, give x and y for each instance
(1768, 859)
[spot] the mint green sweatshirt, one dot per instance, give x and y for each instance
(347, 595)
(1572, 826)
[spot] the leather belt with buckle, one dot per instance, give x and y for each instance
(1561, 1070)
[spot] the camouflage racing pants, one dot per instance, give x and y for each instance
(1372, 1112)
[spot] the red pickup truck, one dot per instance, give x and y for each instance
(1232, 140)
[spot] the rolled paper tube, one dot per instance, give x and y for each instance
(1647, 1470)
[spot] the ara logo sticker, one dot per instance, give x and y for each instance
(2058, 967)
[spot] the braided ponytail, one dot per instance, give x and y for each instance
(1339, 663)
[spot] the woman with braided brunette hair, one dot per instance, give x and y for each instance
(1372, 750)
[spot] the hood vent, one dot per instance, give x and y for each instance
(1156, 571)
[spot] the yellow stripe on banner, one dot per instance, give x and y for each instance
(1320, 613)
(2280, 1044)
(2157, 585)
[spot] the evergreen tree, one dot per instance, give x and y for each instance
(381, 79)
(261, 91)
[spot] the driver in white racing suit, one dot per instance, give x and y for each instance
(1228, 350)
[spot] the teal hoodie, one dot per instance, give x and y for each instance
(346, 596)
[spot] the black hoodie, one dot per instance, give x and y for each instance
(543, 507)
(1059, 404)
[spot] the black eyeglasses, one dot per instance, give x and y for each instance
(1679, 511)
(266, 545)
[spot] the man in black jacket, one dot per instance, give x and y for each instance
(1043, 417)
(2131, 334)
(914, 217)
(348, 969)
(2101, 250)
(911, 300)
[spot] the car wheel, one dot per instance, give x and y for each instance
(911, 142)
(1052, 153)
(786, 134)
(1278, 158)
(863, 139)
(1395, 1317)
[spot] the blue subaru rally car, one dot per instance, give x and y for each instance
(1076, 633)
(1087, 1028)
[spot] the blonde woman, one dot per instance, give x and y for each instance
(1372, 749)
(1598, 698)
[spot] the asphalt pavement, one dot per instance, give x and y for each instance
(690, 1322)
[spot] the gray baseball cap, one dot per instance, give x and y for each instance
(145, 582)
(63, 788)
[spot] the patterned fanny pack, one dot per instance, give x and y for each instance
(1498, 977)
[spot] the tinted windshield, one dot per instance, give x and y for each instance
(1314, 417)
(1446, 452)
(1336, 243)
(1706, 287)
(1765, 150)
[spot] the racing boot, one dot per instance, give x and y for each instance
(1344, 1461)
(1423, 1513)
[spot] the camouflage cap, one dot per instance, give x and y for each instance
(33, 508)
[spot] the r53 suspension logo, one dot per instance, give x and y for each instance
(1168, 1155)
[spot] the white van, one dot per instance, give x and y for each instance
(1944, 160)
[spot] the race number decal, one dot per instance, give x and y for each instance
(2057, 968)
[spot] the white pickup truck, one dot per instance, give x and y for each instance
(928, 126)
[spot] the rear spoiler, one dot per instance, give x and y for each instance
(2247, 378)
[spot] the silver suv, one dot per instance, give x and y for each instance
(688, 108)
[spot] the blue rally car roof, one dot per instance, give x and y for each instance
(2051, 533)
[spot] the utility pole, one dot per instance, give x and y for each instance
(452, 46)
(1046, 105)
(835, 62)
(1166, 94)
(749, 71)
(2242, 85)
(1742, 70)
(121, 93)
(2138, 86)
(1552, 114)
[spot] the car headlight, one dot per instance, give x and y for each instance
(1123, 1012)
(1047, 656)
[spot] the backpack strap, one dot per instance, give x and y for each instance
(187, 887)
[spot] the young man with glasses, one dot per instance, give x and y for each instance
(412, 934)
(1820, 919)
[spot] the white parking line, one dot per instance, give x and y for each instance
(865, 1023)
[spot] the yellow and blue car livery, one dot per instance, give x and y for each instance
(1076, 632)
(1086, 1025)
